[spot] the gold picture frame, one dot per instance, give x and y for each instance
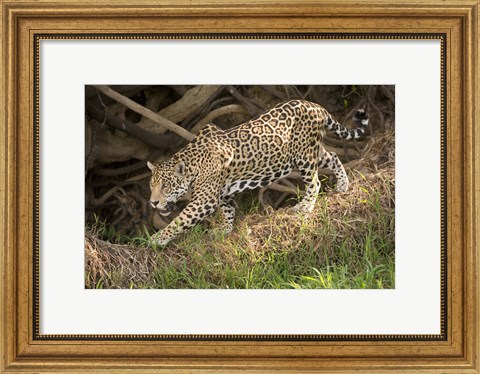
(24, 23)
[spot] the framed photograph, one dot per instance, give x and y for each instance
(254, 186)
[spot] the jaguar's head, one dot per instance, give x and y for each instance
(167, 185)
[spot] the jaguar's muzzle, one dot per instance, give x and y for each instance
(164, 211)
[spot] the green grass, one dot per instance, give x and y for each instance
(346, 243)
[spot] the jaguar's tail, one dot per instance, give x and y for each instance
(361, 121)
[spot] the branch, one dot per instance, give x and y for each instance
(193, 100)
(127, 169)
(129, 128)
(227, 109)
(272, 90)
(252, 108)
(126, 90)
(145, 112)
(206, 106)
(278, 187)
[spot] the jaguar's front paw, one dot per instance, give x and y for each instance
(157, 242)
(225, 227)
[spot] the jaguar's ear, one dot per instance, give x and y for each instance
(150, 165)
(180, 168)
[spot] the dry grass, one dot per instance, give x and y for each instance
(104, 260)
(352, 209)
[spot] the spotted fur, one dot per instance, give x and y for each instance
(218, 164)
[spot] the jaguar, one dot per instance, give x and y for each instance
(218, 164)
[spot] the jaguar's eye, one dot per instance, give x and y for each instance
(166, 185)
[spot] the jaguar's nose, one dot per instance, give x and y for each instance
(153, 203)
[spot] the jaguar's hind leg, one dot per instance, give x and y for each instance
(331, 161)
(309, 174)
